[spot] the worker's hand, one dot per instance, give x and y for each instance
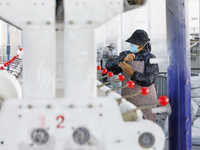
(129, 57)
(126, 68)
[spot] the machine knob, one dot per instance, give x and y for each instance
(146, 140)
(81, 136)
(40, 136)
(98, 68)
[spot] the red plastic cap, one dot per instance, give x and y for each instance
(144, 91)
(163, 100)
(130, 84)
(104, 71)
(98, 67)
(1, 68)
(110, 74)
(121, 77)
(10, 61)
(17, 55)
(5, 65)
(21, 49)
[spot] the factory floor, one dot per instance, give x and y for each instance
(194, 147)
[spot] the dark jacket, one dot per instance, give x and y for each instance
(150, 70)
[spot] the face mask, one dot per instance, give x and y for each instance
(111, 49)
(133, 48)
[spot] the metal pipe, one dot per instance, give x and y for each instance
(179, 86)
(107, 83)
(8, 45)
(193, 45)
(198, 58)
(22, 39)
(1, 47)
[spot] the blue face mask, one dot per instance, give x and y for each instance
(133, 48)
(111, 49)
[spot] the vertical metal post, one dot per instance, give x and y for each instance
(179, 88)
(105, 33)
(8, 45)
(22, 39)
(149, 17)
(119, 34)
(198, 57)
(1, 47)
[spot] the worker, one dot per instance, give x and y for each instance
(134, 65)
(99, 51)
(108, 52)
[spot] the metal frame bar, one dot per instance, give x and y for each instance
(80, 44)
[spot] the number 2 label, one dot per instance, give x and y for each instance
(62, 120)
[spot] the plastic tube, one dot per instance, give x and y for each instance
(164, 109)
